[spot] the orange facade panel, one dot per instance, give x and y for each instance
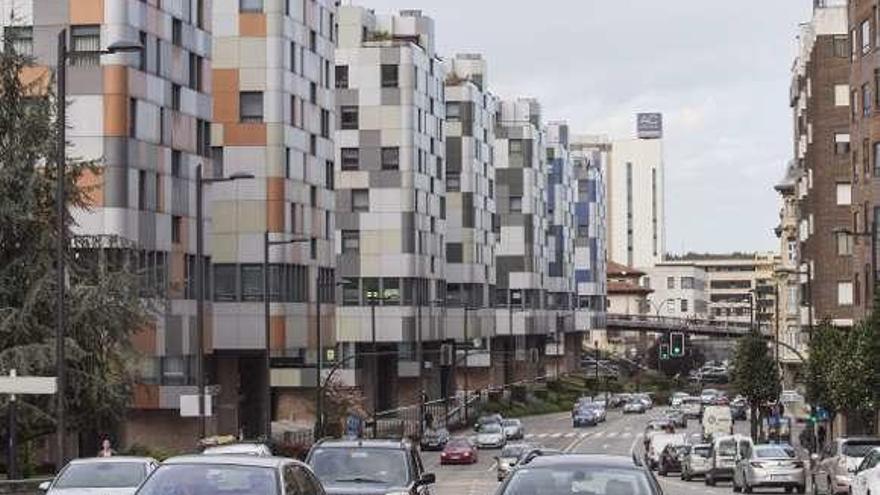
(244, 134)
(115, 101)
(86, 12)
(278, 333)
(145, 396)
(144, 340)
(252, 25)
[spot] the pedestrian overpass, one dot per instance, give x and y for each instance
(662, 324)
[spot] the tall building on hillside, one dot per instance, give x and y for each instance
(635, 184)
(145, 117)
(274, 117)
(390, 198)
(521, 262)
(470, 215)
(590, 159)
(820, 101)
(864, 86)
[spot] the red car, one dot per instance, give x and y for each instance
(459, 451)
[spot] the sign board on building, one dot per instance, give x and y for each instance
(649, 125)
(189, 406)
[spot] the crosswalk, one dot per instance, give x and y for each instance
(576, 434)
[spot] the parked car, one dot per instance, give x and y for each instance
(635, 406)
(118, 475)
(513, 429)
(491, 436)
(833, 468)
(866, 479)
(509, 458)
(696, 462)
(231, 475)
(487, 420)
(459, 451)
(579, 473)
(769, 466)
(584, 416)
(671, 457)
(257, 449)
(435, 439)
(722, 457)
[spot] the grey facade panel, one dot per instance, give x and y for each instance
(505, 265)
(511, 180)
(349, 264)
(407, 233)
(346, 97)
(147, 228)
(391, 97)
(346, 220)
(453, 154)
(115, 187)
(467, 118)
(46, 33)
(85, 81)
(386, 179)
(370, 158)
(370, 138)
(173, 335)
(389, 56)
(467, 210)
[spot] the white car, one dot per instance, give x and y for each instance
(491, 436)
(119, 475)
(657, 442)
(257, 449)
(867, 475)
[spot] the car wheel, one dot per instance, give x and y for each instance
(802, 489)
(710, 481)
(746, 487)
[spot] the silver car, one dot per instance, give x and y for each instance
(509, 457)
(696, 462)
(119, 475)
(513, 429)
(833, 469)
(769, 466)
(257, 449)
(491, 436)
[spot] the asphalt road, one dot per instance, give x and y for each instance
(619, 435)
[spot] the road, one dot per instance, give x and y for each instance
(617, 436)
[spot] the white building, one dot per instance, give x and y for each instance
(636, 211)
(680, 290)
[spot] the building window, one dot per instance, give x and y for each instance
(341, 77)
(293, 110)
(841, 95)
(844, 293)
(176, 222)
(350, 158)
(251, 106)
(175, 97)
(844, 244)
(176, 32)
(132, 117)
(841, 144)
(844, 194)
(389, 76)
(684, 305)
(867, 99)
(454, 252)
(841, 46)
(175, 163)
(21, 38)
(515, 204)
(453, 182)
(313, 93)
(85, 45)
(250, 5)
(225, 283)
(390, 158)
(350, 292)
(866, 36)
(195, 72)
(670, 282)
(325, 124)
(688, 283)
(877, 159)
(348, 117)
(329, 179)
(453, 111)
(252, 282)
(351, 241)
(360, 200)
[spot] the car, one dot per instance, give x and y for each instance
(117, 475)
(646, 399)
(833, 468)
(677, 418)
(230, 475)
(491, 436)
(370, 466)
(459, 451)
(635, 407)
(509, 458)
(708, 395)
(866, 479)
(676, 398)
(692, 407)
(580, 473)
(696, 462)
(769, 466)
(657, 443)
(739, 409)
(584, 416)
(513, 429)
(671, 457)
(488, 420)
(724, 452)
(257, 449)
(597, 408)
(717, 420)
(434, 439)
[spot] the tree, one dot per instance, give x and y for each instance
(105, 303)
(755, 374)
(693, 359)
(825, 353)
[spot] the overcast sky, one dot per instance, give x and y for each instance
(718, 70)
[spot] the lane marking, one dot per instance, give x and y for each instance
(570, 434)
(612, 434)
(556, 435)
(605, 446)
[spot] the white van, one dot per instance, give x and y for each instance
(726, 449)
(717, 421)
(657, 442)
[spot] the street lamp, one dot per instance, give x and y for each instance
(201, 182)
(61, 211)
(267, 360)
(373, 297)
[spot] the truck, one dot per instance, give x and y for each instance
(717, 421)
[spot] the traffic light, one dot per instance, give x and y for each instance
(664, 352)
(676, 348)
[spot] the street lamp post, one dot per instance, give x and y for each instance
(63, 55)
(201, 182)
(373, 297)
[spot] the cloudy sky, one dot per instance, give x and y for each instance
(718, 70)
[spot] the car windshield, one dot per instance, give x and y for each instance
(727, 449)
(458, 444)
(102, 475)
(701, 451)
(211, 479)
(491, 428)
(360, 465)
(485, 420)
(774, 452)
(510, 422)
(859, 448)
(574, 479)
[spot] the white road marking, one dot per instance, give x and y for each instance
(612, 434)
(570, 434)
(574, 443)
(556, 435)
(543, 435)
(605, 446)
(530, 435)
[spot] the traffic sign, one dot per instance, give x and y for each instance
(28, 385)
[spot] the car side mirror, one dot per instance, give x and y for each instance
(44, 486)
(428, 479)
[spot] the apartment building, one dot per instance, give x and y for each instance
(590, 159)
(470, 213)
(390, 199)
(626, 296)
(274, 117)
(635, 193)
(864, 84)
(680, 290)
(820, 101)
(145, 118)
(521, 260)
(791, 317)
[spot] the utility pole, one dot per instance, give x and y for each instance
(466, 364)
(61, 246)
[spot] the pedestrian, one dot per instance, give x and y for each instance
(820, 437)
(806, 439)
(106, 449)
